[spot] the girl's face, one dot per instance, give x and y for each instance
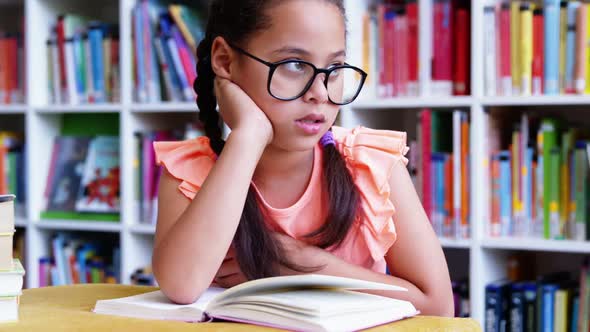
(313, 31)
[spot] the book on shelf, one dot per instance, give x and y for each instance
(439, 164)
(552, 302)
(390, 48)
(12, 165)
(164, 43)
(461, 298)
(83, 177)
(540, 181)
(83, 61)
(147, 174)
(76, 260)
(304, 302)
(536, 48)
(11, 68)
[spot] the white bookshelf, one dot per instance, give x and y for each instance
(480, 258)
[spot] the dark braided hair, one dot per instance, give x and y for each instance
(258, 253)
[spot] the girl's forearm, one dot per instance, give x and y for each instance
(187, 258)
(428, 302)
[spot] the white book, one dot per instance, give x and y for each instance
(8, 309)
(302, 302)
(71, 73)
(57, 97)
(11, 281)
(490, 51)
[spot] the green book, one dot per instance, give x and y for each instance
(581, 192)
(549, 139)
(442, 132)
(555, 230)
(567, 146)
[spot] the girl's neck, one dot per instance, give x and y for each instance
(278, 164)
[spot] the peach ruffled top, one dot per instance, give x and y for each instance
(370, 156)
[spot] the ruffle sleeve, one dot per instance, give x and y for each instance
(370, 156)
(189, 161)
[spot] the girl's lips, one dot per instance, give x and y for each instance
(309, 127)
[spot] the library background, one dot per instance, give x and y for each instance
(493, 96)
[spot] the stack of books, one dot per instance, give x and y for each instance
(11, 270)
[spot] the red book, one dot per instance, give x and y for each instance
(402, 54)
(61, 39)
(412, 14)
(538, 51)
(381, 86)
(461, 58)
(390, 49)
(426, 125)
(442, 65)
(505, 64)
(12, 69)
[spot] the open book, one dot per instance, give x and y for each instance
(303, 302)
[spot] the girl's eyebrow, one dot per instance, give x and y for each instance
(303, 53)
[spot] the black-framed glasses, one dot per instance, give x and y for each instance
(291, 79)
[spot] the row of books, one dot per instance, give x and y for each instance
(439, 166)
(555, 302)
(11, 68)
(147, 173)
(75, 260)
(12, 165)
(83, 61)
(83, 176)
(390, 48)
(143, 276)
(165, 38)
(534, 49)
(540, 182)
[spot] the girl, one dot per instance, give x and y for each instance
(288, 192)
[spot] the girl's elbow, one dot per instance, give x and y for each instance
(179, 292)
(443, 305)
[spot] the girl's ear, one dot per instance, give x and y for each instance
(222, 56)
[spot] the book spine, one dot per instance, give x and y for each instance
(554, 184)
(71, 72)
(526, 47)
(506, 87)
(581, 49)
(412, 13)
(490, 50)
(538, 51)
(515, 46)
(505, 193)
(551, 47)
(456, 197)
(570, 56)
(563, 21)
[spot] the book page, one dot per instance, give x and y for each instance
(300, 281)
(156, 302)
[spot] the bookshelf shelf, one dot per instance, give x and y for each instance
(562, 246)
(413, 102)
(455, 244)
(185, 107)
(536, 100)
(13, 109)
(82, 108)
(89, 226)
(20, 221)
(143, 229)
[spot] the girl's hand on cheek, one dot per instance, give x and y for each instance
(240, 112)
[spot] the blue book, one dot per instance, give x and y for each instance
(528, 187)
(438, 191)
(139, 55)
(517, 307)
(497, 306)
(96, 36)
(505, 193)
(530, 313)
(551, 61)
(80, 65)
(548, 307)
(575, 312)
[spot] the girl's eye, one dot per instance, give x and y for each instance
(295, 66)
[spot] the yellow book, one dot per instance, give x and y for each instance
(175, 12)
(526, 47)
(367, 45)
(587, 53)
(562, 44)
(561, 311)
(515, 46)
